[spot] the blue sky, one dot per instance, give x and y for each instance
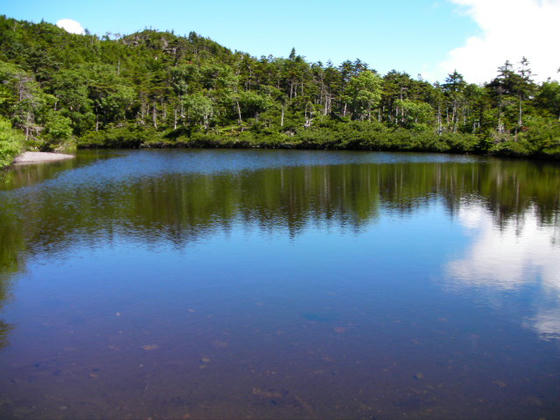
(416, 36)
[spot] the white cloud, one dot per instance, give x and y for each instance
(510, 29)
(71, 26)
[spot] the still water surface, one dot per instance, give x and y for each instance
(277, 284)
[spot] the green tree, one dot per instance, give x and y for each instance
(199, 110)
(58, 129)
(417, 115)
(548, 98)
(365, 93)
(454, 88)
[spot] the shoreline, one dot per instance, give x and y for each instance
(27, 158)
(355, 137)
(241, 145)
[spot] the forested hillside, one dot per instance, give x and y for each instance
(157, 89)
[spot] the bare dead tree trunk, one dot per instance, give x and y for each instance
(453, 117)
(239, 120)
(500, 125)
(182, 109)
(520, 121)
(439, 118)
(143, 111)
(282, 117)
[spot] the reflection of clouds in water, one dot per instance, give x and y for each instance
(547, 323)
(505, 259)
(508, 257)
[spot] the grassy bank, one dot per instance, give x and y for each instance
(543, 142)
(11, 143)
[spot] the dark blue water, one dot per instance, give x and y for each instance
(278, 284)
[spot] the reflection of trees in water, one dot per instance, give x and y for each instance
(4, 330)
(181, 207)
(12, 245)
(25, 175)
(12, 238)
(4, 290)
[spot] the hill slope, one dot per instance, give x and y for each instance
(156, 89)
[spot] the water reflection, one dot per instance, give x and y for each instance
(509, 207)
(508, 256)
(280, 284)
(160, 202)
(24, 175)
(5, 328)
(520, 252)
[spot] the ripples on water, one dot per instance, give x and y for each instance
(277, 284)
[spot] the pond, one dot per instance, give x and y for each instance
(203, 284)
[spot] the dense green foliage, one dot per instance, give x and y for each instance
(156, 89)
(11, 142)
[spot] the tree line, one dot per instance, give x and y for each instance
(158, 89)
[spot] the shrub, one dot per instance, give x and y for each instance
(11, 143)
